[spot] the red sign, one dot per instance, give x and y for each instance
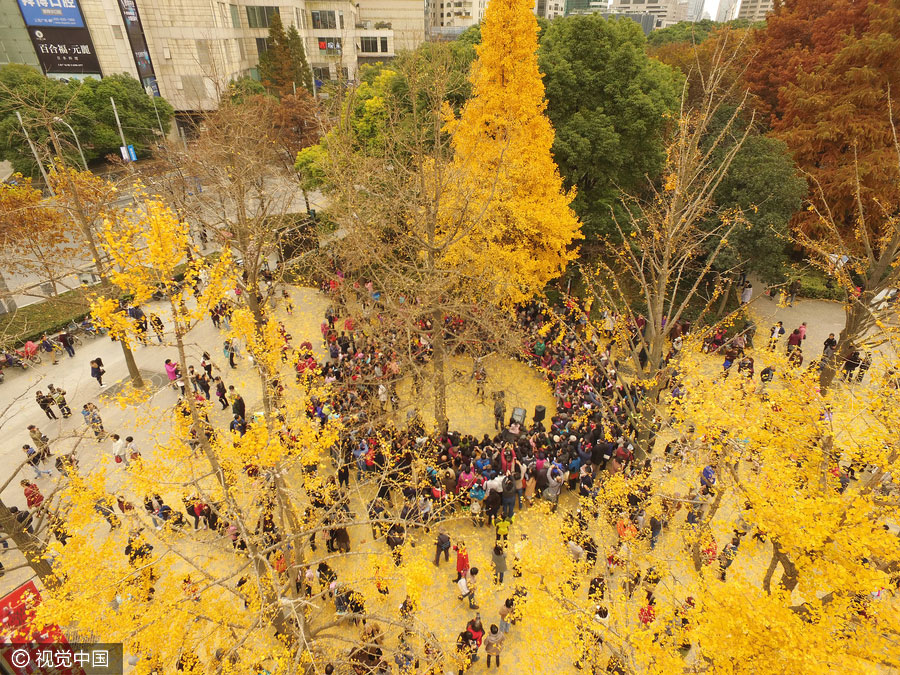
(16, 616)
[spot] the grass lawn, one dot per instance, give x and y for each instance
(48, 316)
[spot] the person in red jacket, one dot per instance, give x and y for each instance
(33, 496)
(462, 560)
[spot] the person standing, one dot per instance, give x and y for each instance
(158, 327)
(97, 372)
(207, 364)
(192, 376)
(93, 420)
(851, 363)
(220, 392)
(462, 560)
(727, 556)
(505, 612)
(794, 340)
(41, 442)
(864, 366)
(33, 496)
(775, 334)
(66, 342)
(493, 645)
(499, 409)
(498, 557)
(237, 403)
(45, 403)
(466, 586)
(118, 450)
(203, 383)
(793, 289)
(442, 545)
(59, 395)
(131, 451)
(173, 373)
(228, 351)
(747, 293)
(829, 347)
(35, 459)
(48, 346)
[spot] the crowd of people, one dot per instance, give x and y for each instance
(592, 436)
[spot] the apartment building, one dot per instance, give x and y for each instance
(666, 12)
(188, 50)
(449, 18)
(726, 11)
(755, 10)
(549, 9)
(695, 10)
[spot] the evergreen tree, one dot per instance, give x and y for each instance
(300, 70)
(275, 63)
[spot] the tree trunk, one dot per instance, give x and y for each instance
(440, 378)
(5, 296)
(724, 301)
(770, 570)
(280, 620)
(28, 544)
(136, 380)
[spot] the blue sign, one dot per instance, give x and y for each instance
(55, 13)
(131, 153)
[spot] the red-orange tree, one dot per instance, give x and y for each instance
(827, 74)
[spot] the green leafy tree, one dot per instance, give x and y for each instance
(765, 185)
(243, 89)
(283, 65)
(275, 62)
(136, 112)
(609, 104)
(691, 31)
(310, 170)
(85, 106)
(300, 69)
(40, 100)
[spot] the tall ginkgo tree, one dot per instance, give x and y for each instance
(518, 224)
(451, 220)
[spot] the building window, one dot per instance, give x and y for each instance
(117, 31)
(322, 73)
(323, 19)
(203, 54)
(345, 74)
(330, 45)
(262, 45)
(368, 44)
(235, 16)
(260, 17)
(384, 44)
(341, 19)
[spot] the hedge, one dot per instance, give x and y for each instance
(54, 314)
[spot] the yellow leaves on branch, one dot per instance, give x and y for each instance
(517, 222)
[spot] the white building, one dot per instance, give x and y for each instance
(667, 12)
(726, 11)
(754, 10)
(695, 10)
(188, 50)
(549, 9)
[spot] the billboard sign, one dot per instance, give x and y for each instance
(138, 42)
(54, 13)
(63, 51)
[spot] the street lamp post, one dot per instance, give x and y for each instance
(149, 91)
(75, 136)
